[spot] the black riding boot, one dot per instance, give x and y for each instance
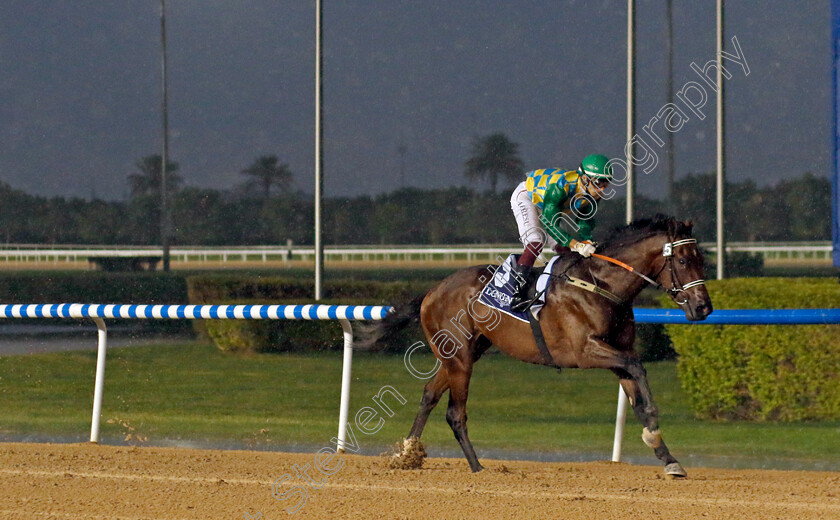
(520, 279)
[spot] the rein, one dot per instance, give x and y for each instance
(667, 252)
(621, 264)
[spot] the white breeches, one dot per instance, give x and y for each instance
(527, 218)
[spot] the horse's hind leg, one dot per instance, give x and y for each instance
(456, 413)
(633, 379)
(411, 453)
(431, 395)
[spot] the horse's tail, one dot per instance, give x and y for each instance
(376, 335)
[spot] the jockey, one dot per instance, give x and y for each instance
(551, 199)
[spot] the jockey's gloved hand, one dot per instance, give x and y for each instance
(584, 248)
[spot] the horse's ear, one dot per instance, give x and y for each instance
(689, 226)
(673, 226)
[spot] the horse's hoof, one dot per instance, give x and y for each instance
(410, 455)
(675, 471)
(477, 469)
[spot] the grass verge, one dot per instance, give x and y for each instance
(196, 393)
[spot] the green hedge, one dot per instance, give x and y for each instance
(98, 287)
(93, 287)
(763, 372)
(273, 335)
(652, 342)
(286, 335)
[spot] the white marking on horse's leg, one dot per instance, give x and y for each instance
(652, 438)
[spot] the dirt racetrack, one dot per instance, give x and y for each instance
(68, 481)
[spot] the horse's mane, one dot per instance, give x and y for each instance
(645, 227)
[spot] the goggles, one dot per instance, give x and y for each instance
(599, 182)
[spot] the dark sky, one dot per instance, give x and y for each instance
(80, 88)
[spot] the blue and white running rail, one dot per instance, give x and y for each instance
(195, 312)
(344, 314)
(373, 312)
(99, 312)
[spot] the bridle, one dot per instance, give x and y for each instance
(668, 252)
(676, 286)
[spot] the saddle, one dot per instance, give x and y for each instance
(533, 294)
(498, 293)
(499, 290)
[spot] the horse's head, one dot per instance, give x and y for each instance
(682, 271)
(662, 251)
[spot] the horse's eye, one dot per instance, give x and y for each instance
(682, 261)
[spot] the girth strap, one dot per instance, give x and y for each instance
(536, 330)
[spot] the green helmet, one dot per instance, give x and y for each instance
(596, 166)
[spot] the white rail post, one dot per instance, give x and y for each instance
(620, 414)
(346, 375)
(102, 333)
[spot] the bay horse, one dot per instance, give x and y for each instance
(582, 328)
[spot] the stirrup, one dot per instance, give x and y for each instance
(522, 305)
(520, 301)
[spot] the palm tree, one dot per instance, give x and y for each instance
(266, 172)
(493, 156)
(147, 181)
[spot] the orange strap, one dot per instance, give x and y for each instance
(625, 266)
(614, 261)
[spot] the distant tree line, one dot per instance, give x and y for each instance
(265, 210)
(796, 209)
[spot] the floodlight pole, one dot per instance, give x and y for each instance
(835, 134)
(720, 143)
(164, 156)
(621, 408)
(319, 149)
(631, 105)
(669, 88)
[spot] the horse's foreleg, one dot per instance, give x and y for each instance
(431, 395)
(637, 390)
(456, 413)
(633, 378)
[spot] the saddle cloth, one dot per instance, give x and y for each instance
(498, 292)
